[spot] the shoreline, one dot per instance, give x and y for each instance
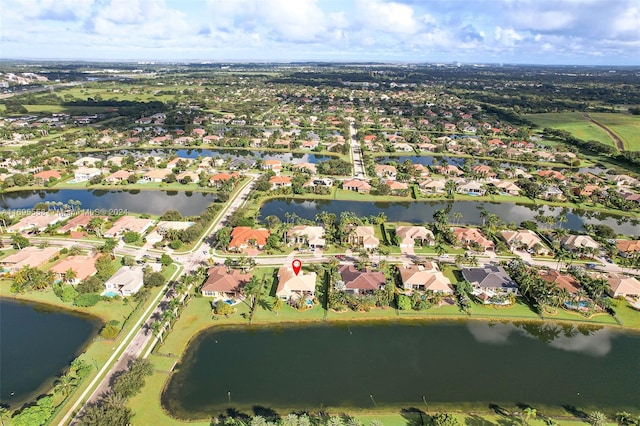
(453, 407)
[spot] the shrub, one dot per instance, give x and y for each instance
(109, 332)
(87, 299)
(68, 294)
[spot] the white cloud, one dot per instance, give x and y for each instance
(390, 17)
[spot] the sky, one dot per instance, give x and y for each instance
(581, 32)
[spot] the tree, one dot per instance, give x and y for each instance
(528, 414)
(222, 308)
(105, 267)
(64, 385)
(131, 237)
(597, 418)
(128, 260)
(19, 242)
(404, 302)
(444, 419)
(4, 414)
(109, 245)
(154, 279)
(165, 259)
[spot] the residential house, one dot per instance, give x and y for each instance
(420, 170)
(525, 240)
(118, 176)
(219, 179)
(484, 171)
(552, 193)
(37, 222)
(128, 224)
(77, 222)
(273, 165)
(243, 237)
(312, 236)
(280, 181)
(471, 188)
(309, 144)
(363, 236)
(156, 175)
(579, 242)
(292, 286)
(360, 186)
(563, 281)
(224, 284)
(193, 176)
(397, 187)
(449, 170)
(308, 167)
(85, 174)
(508, 188)
(87, 161)
(408, 236)
(384, 171)
(360, 282)
(489, 281)
(628, 247)
(83, 267)
(473, 237)
(43, 177)
(623, 286)
(424, 278)
(552, 174)
(433, 186)
(31, 256)
(128, 280)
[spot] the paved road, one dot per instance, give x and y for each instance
(358, 165)
(612, 135)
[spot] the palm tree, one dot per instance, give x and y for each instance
(290, 420)
(376, 422)
(64, 385)
(70, 275)
(4, 414)
(624, 419)
(335, 421)
(115, 400)
(157, 327)
(258, 421)
(597, 418)
(561, 255)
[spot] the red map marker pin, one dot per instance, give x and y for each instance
(296, 265)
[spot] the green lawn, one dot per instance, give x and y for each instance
(626, 127)
(574, 123)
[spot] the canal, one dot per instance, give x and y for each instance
(422, 212)
(134, 201)
(392, 364)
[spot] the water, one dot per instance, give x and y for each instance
(425, 160)
(134, 201)
(233, 154)
(422, 212)
(398, 364)
(37, 344)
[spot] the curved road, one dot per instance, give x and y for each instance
(616, 139)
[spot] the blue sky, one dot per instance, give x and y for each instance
(600, 32)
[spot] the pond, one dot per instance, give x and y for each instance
(422, 212)
(233, 154)
(425, 160)
(134, 201)
(373, 365)
(37, 344)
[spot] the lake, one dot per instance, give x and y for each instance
(398, 364)
(422, 212)
(134, 201)
(37, 344)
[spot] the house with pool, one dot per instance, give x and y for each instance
(291, 287)
(490, 283)
(127, 281)
(224, 284)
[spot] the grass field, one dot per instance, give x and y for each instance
(626, 127)
(574, 123)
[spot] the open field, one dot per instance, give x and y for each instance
(574, 123)
(626, 127)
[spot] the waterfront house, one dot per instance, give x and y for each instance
(273, 165)
(433, 186)
(85, 174)
(312, 236)
(424, 278)
(35, 222)
(562, 281)
(489, 280)
(525, 240)
(385, 171)
(579, 243)
(471, 188)
(118, 176)
(292, 286)
(360, 186)
(408, 236)
(305, 167)
(44, 176)
(243, 237)
(78, 222)
(472, 237)
(623, 286)
(224, 284)
(83, 267)
(360, 282)
(508, 188)
(128, 280)
(128, 223)
(156, 175)
(363, 236)
(31, 256)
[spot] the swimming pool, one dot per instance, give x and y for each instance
(110, 294)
